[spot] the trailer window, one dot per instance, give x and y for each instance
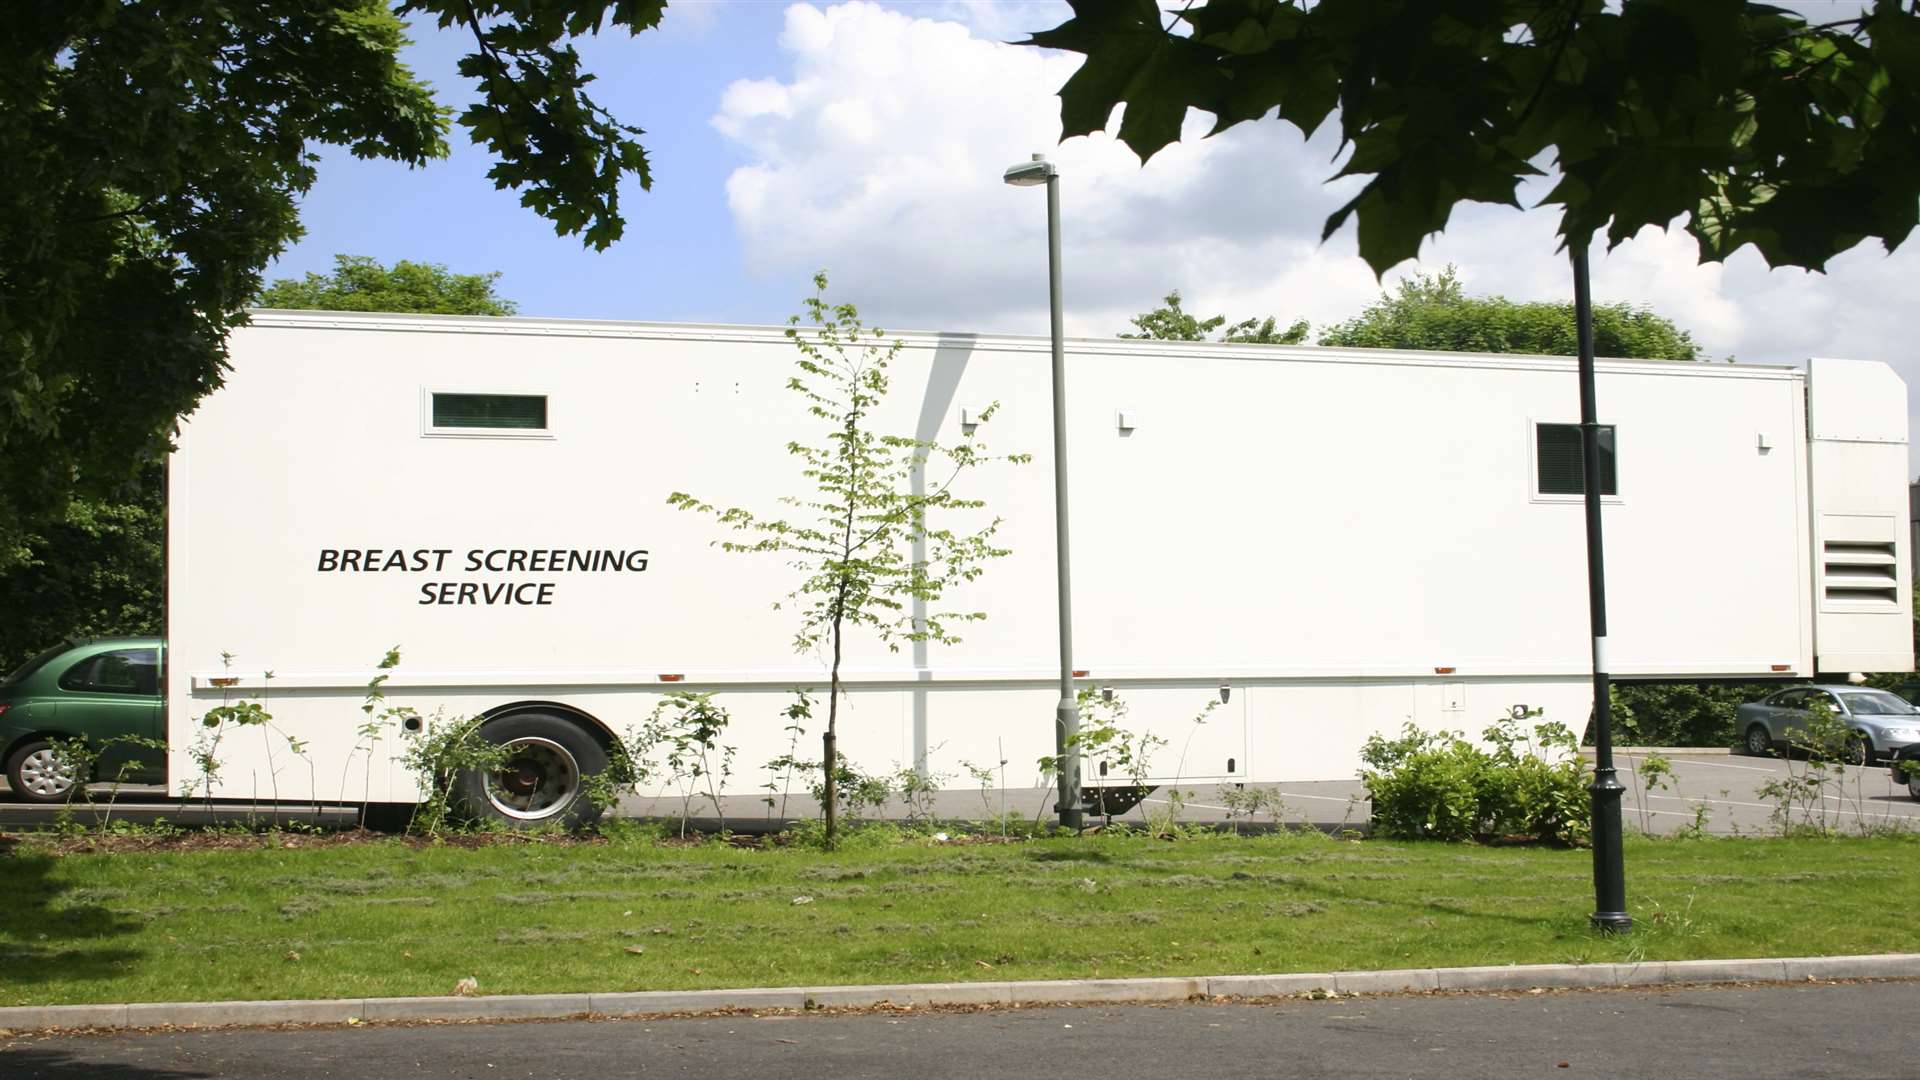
(1558, 460)
(489, 412)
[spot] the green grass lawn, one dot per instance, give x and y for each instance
(393, 918)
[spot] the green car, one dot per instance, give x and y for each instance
(105, 692)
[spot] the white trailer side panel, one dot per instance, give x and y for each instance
(1355, 539)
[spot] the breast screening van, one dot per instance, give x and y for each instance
(1336, 541)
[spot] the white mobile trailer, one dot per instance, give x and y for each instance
(1348, 540)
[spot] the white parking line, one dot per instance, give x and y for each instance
(1284, 794)
(1889, 810)
(1194, 805)
(1719, 765)
(1757, 768)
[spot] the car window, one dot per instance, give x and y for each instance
(34, 664)
(1876, 703)
(1790, 699)
(125, 671)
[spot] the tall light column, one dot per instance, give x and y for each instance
(1067, 713)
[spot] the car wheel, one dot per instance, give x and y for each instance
(1758, 744)
(37, 773)
(1913, 779)
(1857, 751)
(543, 781)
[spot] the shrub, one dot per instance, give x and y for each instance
(1437, 785)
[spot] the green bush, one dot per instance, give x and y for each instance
(1679, 714)
(1437, 785)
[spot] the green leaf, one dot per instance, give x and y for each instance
(1754, 125)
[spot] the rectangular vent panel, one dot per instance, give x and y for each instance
(1861, 572)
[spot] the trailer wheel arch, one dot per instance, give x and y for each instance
(593, 724)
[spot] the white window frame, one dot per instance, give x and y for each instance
(429, 431)
(1534, 493)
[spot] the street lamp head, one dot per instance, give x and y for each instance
(1031, 173)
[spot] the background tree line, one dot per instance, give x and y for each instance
(1433, 312)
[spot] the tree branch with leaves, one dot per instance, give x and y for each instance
(1170, 322)
(877, 536)
(1754, 125)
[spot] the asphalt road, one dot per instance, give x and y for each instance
(1827, 1030)
(1721, 791)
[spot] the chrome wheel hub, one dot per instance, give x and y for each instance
(44, 773)
(539, 780)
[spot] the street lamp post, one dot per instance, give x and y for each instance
(1609, 875)
(1067, 715)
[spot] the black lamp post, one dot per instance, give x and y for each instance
(1609, 872)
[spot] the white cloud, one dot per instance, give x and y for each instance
(879, 153)
(879, 156)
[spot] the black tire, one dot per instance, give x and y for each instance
(1913, 778)
(1857, 751)
(544, 782)
(36, 775)
(1757, 743)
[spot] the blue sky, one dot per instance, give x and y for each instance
(678, 262)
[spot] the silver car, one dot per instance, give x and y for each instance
(1881, 723)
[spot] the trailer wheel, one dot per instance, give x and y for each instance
(544, 779)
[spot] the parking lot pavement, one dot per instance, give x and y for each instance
(1722, 793)
(1729, 790)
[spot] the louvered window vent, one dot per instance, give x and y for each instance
(1861, 572)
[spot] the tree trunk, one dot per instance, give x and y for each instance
(828, 743)
(829, 756)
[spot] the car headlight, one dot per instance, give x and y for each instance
(1904, 732)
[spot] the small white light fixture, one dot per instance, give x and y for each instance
(1124, 420)
(969, 418)
(1225, 693)
(1031, 173)
(1761, 442)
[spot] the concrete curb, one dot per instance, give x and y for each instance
(1055, 992)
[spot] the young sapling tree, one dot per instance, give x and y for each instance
(877, 533)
